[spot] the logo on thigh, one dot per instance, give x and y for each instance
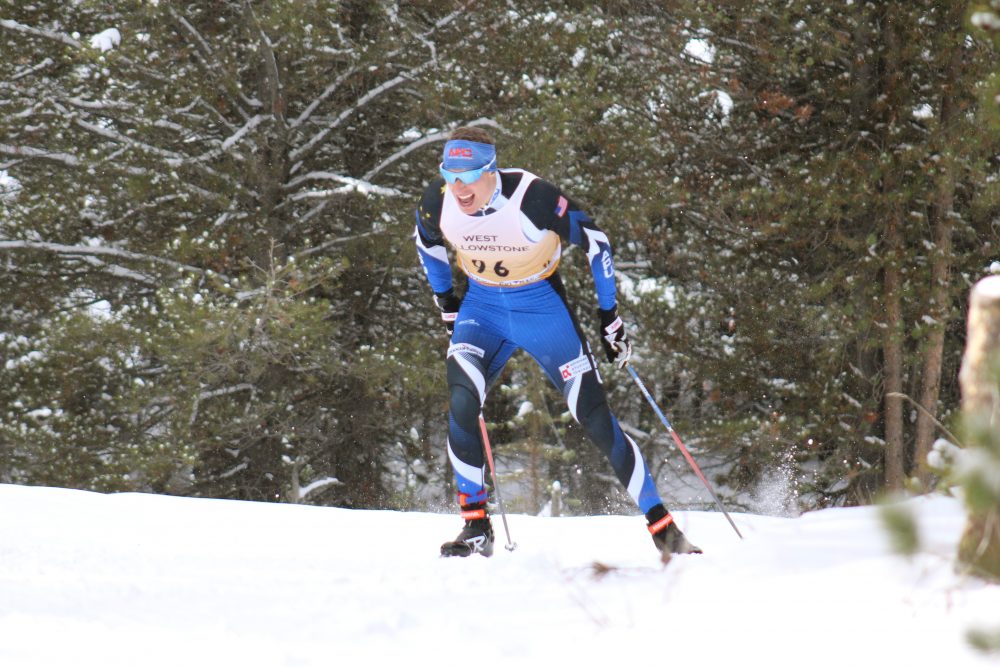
(575, 368)
(465, 349)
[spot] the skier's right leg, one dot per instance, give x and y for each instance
(475, 358)
(467, 391)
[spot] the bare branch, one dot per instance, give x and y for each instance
(340, 240)
(204, 54)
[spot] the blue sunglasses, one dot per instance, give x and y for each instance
(467, 177)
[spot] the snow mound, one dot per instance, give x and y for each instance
(131, 579)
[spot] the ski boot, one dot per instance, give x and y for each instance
(476, 537)
(667, 537)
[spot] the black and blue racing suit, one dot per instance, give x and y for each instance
(515, 300)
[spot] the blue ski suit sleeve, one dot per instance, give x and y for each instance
(430, 244)
(549, 208)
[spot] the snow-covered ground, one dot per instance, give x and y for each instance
(129, 579)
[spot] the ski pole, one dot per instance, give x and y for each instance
(510, 546)
(680, 445)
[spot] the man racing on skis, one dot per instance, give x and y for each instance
(505, 228)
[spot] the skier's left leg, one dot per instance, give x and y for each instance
(589, 406)
(561, 349)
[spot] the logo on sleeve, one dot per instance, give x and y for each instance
(561, 207)
(607, 264)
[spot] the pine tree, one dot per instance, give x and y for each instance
(850, 200)
(209, 286)
(222, 181)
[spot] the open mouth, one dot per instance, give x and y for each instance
(466, 201)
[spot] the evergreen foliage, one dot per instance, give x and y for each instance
(835, 135)
(208, 284)
(219, 183)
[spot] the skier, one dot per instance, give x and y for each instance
(506, 228)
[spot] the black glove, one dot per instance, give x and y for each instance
(613, 337)
(449, 305)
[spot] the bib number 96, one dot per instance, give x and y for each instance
(498, 268)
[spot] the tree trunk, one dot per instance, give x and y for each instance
(979, 547)
(892, 348)
(892, 283)
(942, 213)
(273, 163)
(938, 312)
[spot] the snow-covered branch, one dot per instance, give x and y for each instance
(38, 32)
(242, 132)
(318, 485)
(91, 105)
(300, 153)
(361, 187)
(434, 137)
(28, 71)
(349, 185)
(120, 271)
(322, 97)
(199, 41)
(148, 205)
(331, 243)
(213, 393)
(102, 251)
(244, 386)
(172, 159)
(29, 152)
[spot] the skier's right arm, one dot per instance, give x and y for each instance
(430, 244)
(432, 252)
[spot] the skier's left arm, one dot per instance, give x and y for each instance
(549, 208)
